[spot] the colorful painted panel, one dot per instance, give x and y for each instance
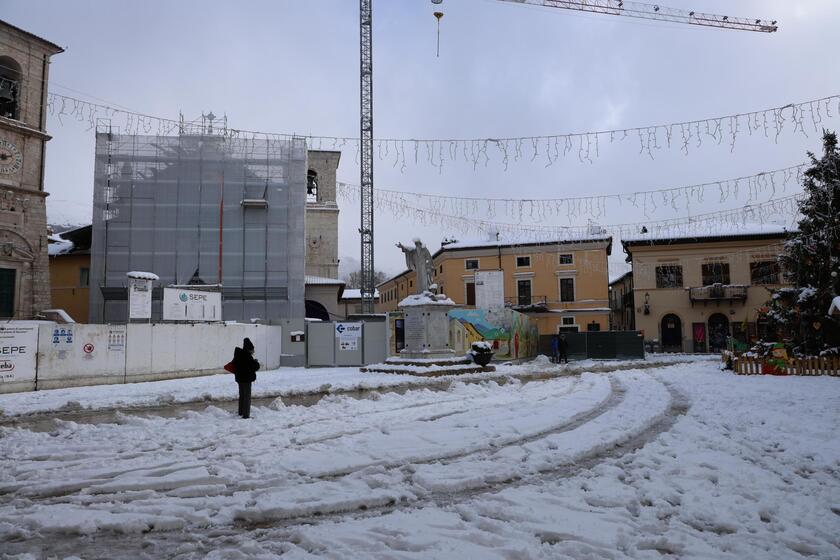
(512, 334)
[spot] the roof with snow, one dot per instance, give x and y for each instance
(616, 278)
(58, 246)
(525, 242)
(322, 281)
(72, 241)
(835, 306)
(690, 234)
(353, 293)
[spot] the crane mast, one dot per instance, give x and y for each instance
(655, 12)
(366, 154)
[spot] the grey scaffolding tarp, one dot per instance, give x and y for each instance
(200, 209)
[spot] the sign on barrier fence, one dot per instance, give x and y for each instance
(18, 351)
(191, 305)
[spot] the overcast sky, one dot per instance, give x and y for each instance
(504, 70)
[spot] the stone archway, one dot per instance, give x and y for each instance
(316, 310)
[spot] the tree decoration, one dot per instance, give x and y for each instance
(810, 256)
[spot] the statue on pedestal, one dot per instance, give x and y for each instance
(419, 259)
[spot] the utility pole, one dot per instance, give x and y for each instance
(366, 152)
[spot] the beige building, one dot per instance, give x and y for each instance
(560, 284)
(692, 292)
(24, 265)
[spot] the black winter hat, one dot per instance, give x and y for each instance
(247, 344)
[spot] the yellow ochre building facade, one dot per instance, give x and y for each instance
(560, 284)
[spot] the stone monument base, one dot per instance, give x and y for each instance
(426, 327)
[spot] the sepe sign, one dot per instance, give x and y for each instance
(18, 349)
(191, 305)
(348, 335)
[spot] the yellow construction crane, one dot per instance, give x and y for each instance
(654, 11)
(609, 7)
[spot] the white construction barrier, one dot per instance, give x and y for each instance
(77, 354)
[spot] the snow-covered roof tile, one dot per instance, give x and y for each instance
(354, 293)
(688, 231)
(322, 281)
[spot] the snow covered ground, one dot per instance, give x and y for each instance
(273, 383)
(674, 461)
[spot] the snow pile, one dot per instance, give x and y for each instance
(141, 275)
(426, 298)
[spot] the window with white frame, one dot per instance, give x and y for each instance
(567, 258)
(471, 264)
(523, 262)
(568, 321)
(567, 289)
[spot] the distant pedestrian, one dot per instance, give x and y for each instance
(563, 349)
(555, 348)
(246, 367)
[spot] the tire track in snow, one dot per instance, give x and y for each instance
(658, 423)
(57, 492)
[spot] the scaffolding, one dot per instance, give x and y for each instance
(200, 208)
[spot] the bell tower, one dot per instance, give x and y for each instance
(322, 214)
(24, 264)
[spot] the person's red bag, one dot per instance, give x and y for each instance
(230, 368)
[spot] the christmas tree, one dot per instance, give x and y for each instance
(811, 260)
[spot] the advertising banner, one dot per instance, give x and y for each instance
(18, 350)
(191, 305)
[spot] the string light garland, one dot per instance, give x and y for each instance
(771, 211)
(770, 183)
(796, 118)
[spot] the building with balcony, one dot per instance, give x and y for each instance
(561, 284)
(691, 291)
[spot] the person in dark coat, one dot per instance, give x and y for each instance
(246, 367)
(563, 349)
(555, 348)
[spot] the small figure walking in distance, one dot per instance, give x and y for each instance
(555, 348)
(563, 349)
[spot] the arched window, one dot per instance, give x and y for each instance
(10, 81)
(311, 186)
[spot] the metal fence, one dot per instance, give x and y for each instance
(605, 345)
(337, 344)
